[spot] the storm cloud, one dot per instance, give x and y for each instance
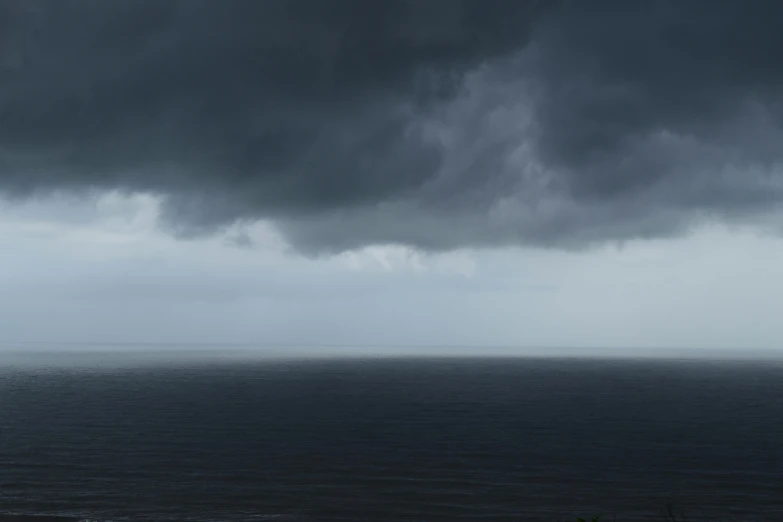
(431, 123)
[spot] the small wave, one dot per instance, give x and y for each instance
(12, 517)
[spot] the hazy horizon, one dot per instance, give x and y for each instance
(150, 353)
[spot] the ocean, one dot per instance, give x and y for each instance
(385, 439)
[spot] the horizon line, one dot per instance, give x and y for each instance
(388, 346)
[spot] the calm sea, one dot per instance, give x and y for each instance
(393, 440)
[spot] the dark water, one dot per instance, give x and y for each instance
(406, 440)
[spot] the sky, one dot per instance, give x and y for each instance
(457, 176)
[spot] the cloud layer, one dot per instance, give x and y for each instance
(437, 124)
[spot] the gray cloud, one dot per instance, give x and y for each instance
(438, 123)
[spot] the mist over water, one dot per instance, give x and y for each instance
(102, 354)
(429, 439)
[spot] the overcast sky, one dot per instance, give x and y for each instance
(467, 173)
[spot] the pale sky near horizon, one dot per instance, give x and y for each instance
(101, 270)
(460, 173)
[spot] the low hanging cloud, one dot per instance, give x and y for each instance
(432, 123)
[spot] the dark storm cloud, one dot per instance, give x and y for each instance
(436, 123)
(622, 77)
